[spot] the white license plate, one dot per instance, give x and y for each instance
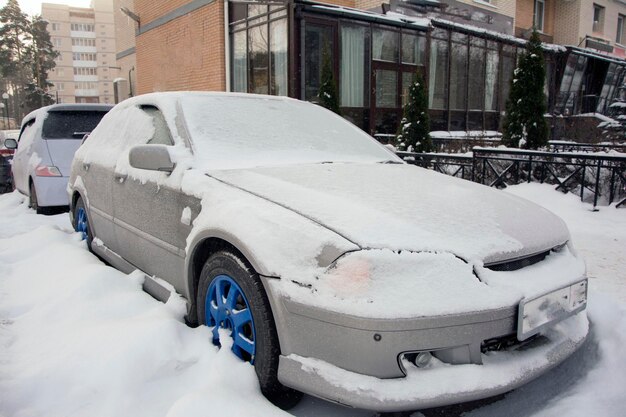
(540, 312)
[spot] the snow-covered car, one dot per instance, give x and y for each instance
(48, 139)
(6, 155)
(337, 269)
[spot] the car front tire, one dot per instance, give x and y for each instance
(81, 222)
(231, 296)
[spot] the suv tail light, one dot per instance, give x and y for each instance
(47, 171)
(7, 152)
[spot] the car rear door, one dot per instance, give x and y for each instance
(147, 210)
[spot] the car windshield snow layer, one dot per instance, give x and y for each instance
(237, 132)
(70, 124)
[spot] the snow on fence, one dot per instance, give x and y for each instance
(597, 178)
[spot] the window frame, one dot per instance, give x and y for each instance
(536, 15)
(597, 26)
(619, 32)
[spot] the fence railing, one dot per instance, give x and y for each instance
(596, 178)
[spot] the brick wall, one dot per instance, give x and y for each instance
(370, 5)
(524, 19)
(186, 53)
(124, 26)
(149, 10)
(505, 7)
(567, 22)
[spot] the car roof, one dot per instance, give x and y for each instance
(66, 107)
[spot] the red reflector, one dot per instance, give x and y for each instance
(46, 171)
(7, 152)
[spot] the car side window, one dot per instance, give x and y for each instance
(27, 134)
(162, 135)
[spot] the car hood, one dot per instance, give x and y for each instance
(62, 152)
(403, 207)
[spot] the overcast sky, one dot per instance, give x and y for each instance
(32, 7)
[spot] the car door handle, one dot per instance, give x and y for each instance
(86, 167)
(121, 177)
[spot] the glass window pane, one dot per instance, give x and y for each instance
(458, 76)
(352, 73)
(278, 49)
(386, 88)
(408, 78)
(385, 45)
(240, 64)
(256, 9)
(477, 78)
(438, 91)
(566, 81)
(574, 90)
(258, 56)
(491, 78)
(413, 48)
(508, 66)
(607, 88)
(316, 38)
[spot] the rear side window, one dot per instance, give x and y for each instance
(70, 124)
(27, 135)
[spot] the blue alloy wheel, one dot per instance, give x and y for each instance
(226, 306)
(81, 222)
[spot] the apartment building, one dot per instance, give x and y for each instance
(593, 24)
(85, 39)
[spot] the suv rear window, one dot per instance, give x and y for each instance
(70, 124)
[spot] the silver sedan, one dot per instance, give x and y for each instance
(330, 265)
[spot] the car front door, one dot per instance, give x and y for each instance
(22, 156)
(148, 213)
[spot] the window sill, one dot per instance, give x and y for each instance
(485, 3)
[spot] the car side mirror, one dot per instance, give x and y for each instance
(10, 143)
(151, 157)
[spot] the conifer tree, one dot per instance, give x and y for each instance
(525, 125)
(414, 129)
(14, 35)
(40, 56)
(327, 93)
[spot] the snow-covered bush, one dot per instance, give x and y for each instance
(414, 129)
(524, 125)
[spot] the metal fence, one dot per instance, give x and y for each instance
(596, 178)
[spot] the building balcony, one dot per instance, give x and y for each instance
(85, 78)
(84, 49)
(86, 93)
(82, 34)
(85, 64)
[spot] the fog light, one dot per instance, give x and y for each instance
(422, 359)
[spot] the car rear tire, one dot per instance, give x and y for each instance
(81, 222)
(231, 296)
(32, 200)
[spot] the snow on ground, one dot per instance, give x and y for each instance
(79, 338)
(599, 236)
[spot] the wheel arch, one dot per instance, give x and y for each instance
(206, 244)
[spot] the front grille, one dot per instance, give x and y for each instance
(518, 263)
(510, 342)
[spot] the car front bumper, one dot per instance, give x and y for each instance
(360, 362)
(438, 384)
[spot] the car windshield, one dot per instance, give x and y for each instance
(243, 132)
(69, 124)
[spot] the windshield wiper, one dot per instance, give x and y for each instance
(389, 161)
